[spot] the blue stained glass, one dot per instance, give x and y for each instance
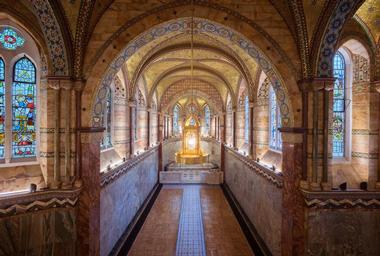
(275, 141)
(23, 109)
(339, 109)
(10, 39)
(246, 119)
(107, 122)
(2, 108)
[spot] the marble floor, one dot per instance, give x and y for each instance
(191, 220)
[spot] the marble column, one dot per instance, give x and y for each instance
(160, 139)
(293, 216)
(89, 201)
(374, 173)
(234, 126)
(132, 125)
(148, 140)
(252, 147)
(66, 175)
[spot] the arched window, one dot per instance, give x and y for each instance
(246, 120)
(23, 109)
(339, 109)
(2, 107)
(175, 119)
(207, 120)
(107, 121)
(274, 121)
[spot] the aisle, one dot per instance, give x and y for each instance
(191, 220)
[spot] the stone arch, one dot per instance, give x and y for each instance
(205, 26)
(343, 11)
(181, 86)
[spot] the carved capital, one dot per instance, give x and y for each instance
(376, 85)
(58, 82)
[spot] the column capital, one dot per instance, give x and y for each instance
(376, 85)
(132, 103)
(58, 82)
(316, 84)
(91, 134)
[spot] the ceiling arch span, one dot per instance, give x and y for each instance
(189, 94)
(199, 85)
(157, 53)
(186, 67)
(288, 92)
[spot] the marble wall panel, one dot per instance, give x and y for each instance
(20, 177)
(168, 151)
(260, 200)
(121, 199)
(343, 232)
(49, 232)
(212, 148)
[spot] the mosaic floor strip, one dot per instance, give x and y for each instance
(190, 240)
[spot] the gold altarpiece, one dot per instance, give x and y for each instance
(191, 152)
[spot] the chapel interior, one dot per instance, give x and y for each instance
(190, 127)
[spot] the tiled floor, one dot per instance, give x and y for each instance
(191, 220)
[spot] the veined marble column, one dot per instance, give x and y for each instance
(132, 125)
(293, 216)
(251, 131)
(89, 201)
(234, 126)
(67, 137)
(374, 173)
(148, 140)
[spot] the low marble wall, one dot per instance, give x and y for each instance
(169, 149)
(212, 147)
(343, 232)
(20, 177)
(260, 198)
(122, 197)
(49, 232)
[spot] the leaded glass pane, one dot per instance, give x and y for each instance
(275, 141)
(175, 119)
(2, 108)
(107, 137)
(339, 110)
(246, 119)
(207, 120)
(23, 109)
(10, 40)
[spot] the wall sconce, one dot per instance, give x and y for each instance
(124, 159)
(33, 188)
(258, 160)
(108, 167)
(273, 167)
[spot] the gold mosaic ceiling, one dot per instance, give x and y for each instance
(215, 61)
(369, 13)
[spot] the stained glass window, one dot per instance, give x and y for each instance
(107, 121)
(23, 109)
(2, 107)
(275, 141)
(10, 40)
(175, 119)
(339, 110)
(207, 120)
(246, 120)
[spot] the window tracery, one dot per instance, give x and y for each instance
(175, 119)
(107, 122)
(275, 141)
(246, 119)
(207, 120)
(10, 39)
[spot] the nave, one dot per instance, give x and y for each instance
(191, 220)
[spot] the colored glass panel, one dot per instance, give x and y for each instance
(175, 119)
(207, 119)
(2, 108)
(10, 40)
(107, 137)
(246, 119)
(23, 109)
(339, 110)
(275, 141)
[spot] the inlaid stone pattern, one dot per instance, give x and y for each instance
(190, 239)
(50, 232)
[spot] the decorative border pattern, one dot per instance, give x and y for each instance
(259, 169)
(109, 177)
(37, 201)
(343, 203)
(182, 26)
(331, 36)
(53, 36)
